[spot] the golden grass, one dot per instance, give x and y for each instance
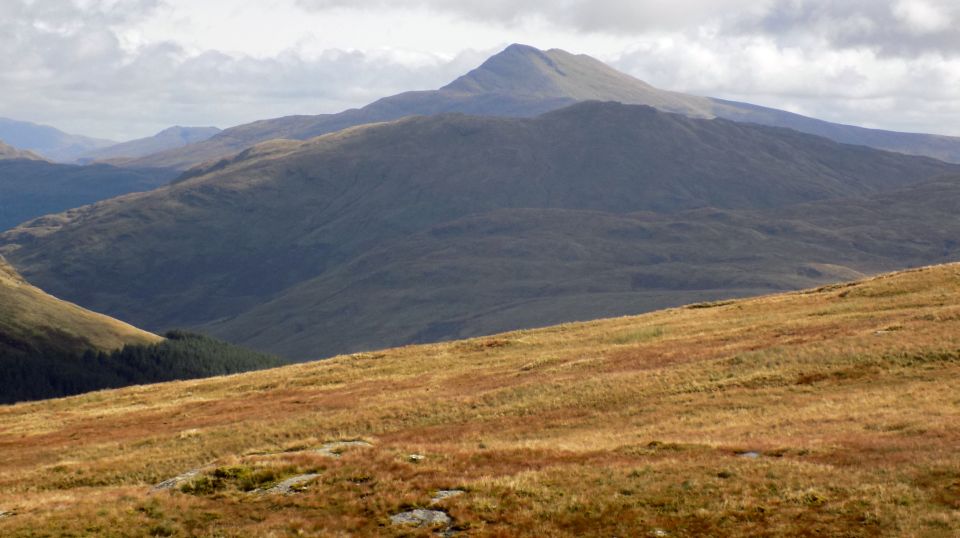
(621, 427)
(25, 310)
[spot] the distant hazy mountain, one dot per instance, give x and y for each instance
(174, 137)
(442, 226)
(31, 188)
(11, 153)
(47, 141)
(522, 81)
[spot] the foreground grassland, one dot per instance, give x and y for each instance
(848, 396)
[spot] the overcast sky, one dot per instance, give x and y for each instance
(127, 68)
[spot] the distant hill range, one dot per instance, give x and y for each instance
(171, 138)
(48, 142)
(445, 226)
(31, 188)
(522, 81)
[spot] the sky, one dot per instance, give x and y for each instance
(123, 69)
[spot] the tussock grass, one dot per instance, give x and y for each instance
(848, 395)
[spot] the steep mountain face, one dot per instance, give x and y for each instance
(451, 225)
(9, 153)
(31, 188)
(47, 141)
(523, 81)
(171, 138)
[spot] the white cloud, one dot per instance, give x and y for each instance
(922, 17)
(127, 68)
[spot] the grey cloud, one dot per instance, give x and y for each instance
(66, 66)
(585, 15)
(892, 27)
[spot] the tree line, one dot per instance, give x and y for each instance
(39, 371)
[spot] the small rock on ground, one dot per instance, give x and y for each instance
(445, 494)
(289, 485)
(4, 514)
(416, 457)
(421, 518)
(176, 481)
(332, 449)
(750, 455)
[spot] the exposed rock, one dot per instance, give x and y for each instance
(416, 458)
(176, 481)
(422, 518)
(292, 485)
(750, 455)
(334, 448)
(445, 494)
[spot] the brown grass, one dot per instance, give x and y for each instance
(621, 427)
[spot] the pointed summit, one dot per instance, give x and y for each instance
(557, 74)
(523, 81)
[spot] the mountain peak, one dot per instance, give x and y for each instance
(517, 68)
(523, 70)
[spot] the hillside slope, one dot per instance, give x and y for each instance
(8, 152)
(523, 268)
(51, 348)
(522, 81)
(28, 315)
(829, 412)
(248, 231)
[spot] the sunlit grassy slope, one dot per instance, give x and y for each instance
(849, 396)
(28, 315)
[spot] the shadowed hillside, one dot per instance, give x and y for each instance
(33, 188)
(313, 226)
(829, 412)
(522, 81)
(51, 348)
(27, 315)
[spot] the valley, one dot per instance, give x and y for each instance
(451, 226)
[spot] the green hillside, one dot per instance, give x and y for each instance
(453, 225)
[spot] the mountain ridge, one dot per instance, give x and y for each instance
(169, 138)
(522, 81)
(252, 229)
